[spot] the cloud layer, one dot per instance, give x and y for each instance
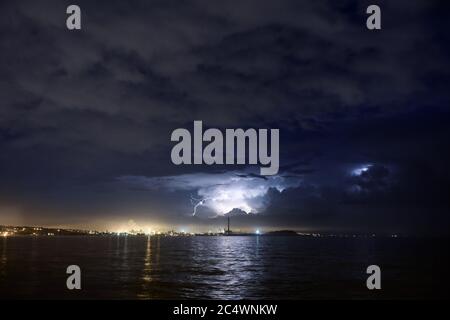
(81, 111)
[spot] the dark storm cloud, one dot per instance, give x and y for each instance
(81, 109)
(370, 179)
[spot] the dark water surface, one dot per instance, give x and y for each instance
(221, 267)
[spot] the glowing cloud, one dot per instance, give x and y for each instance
(360, 170)
(221, 192)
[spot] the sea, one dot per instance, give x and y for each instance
(222, 267)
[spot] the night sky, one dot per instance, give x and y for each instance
(86, 116)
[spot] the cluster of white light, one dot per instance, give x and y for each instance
(243, 194)
(360, 170)
(227, 199)
(133, 228)
(220, 192)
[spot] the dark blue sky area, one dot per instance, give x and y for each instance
(86, 116)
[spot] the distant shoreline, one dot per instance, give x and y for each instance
(16, 231)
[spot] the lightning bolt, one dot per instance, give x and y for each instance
(196, 203)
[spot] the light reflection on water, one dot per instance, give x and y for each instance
(252, 267)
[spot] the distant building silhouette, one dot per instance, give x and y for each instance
(228, 229)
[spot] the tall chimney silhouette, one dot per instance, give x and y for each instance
(228, 225)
